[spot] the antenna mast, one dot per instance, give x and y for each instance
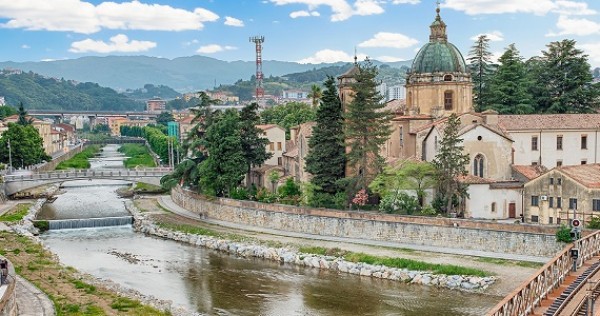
(260, 91)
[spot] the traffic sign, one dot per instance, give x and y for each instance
(576, 222)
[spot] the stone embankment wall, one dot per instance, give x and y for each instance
(8, 301)
(51, 165)
(531, 240)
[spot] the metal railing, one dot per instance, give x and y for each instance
(78, 174)
(529, 294)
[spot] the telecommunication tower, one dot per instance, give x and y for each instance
(260, 91)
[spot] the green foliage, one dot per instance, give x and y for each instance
(185, 173)
(400, 203)
(101, 129)
(451, 162)
(240, 193)
(264, 196)
(563, 234)
(80, 160)
(164, 118)
(26, 145)
(367, 127)
(254, 148)
(16, 213)
(6, 111)
(123, 304)
(41, 225)
(594, 223)
(138, 155)
(150, 91)
(410, 175)
(480, 64)
(290, 192)
(326, 159)
(288, 115)
(40, 92)
(315, 95)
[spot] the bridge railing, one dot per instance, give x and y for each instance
(71, 174)
(529, 294)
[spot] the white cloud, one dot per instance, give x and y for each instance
(579, 27)
(118, 43)
(341, 9)
(330, 56)
(494, 36)
(386, 39)
(189, 43)
(25, 46)
(593, 50)
(406, 1)
(303, 13)
(213, 48)
(390, 59)
(537, 7)
(84, 17)
(233, 22)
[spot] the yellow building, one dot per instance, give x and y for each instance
(439, 82)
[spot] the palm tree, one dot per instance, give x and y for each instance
(315, 94)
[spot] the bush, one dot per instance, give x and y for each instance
(265, 196)
(400, 203)
(563, 234)
(239, 193)
(594, 223)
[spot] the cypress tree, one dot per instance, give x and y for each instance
(326, 159)
(480, 64)
(254, 147)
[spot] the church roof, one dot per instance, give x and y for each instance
(549, 121)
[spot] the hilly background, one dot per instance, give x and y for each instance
(184, 74)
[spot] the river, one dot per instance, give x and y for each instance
(213, 283)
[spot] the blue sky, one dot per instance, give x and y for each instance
(295, 30)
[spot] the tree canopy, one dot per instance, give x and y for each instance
(26, 146)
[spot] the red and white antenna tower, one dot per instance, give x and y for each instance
(260, 91)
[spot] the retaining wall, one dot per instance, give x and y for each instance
(531, 240)
(8, 301)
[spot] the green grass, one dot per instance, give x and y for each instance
(525, 264)
(80, 161)
(189, 229)
(148, 188)
(16, 213)
(88, 288)
(399, 263)
(138, 156)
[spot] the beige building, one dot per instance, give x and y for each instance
(276, 146)
(553, 139)
(115, 123)
(44, 129)
(294, 159)
(439, 83)
(563, 193)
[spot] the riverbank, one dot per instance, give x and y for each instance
(508, 272)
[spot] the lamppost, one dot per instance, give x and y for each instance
(9, 157)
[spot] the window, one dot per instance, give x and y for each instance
(401, 136)
(535, 218)
(551, 201)
(583, 162)
(478, 166)
(271, 146)
(559, 142)
(435, 145)
(572, 203)
(583, 141)
(551, 181)
(448, 78)
(550, 220)
(279, 146)
(559, 163)
(559, 181)
(595, 204)
(534, 163)
(448, 97)
(558, 202)
(535, 200)
(493, 207)
(279, 161)
(534, 143)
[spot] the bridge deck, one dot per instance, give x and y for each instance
(575, 302)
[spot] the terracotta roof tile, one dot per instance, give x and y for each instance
(548, 121)
(265, 127)
(530, 172)
(471, 179)
(588, 175)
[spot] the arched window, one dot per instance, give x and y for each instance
(448, 100)
(478, 165)
(448, 78)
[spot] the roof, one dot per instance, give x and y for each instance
(291, 150)
(66, 127)
(350, 73)
(14, 118)
(265, 127)
(548, 121)
(530, 171)
(306, 129)
(438, 56)
(588, 175)
(471, 179)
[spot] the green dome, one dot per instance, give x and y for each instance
(438, 56)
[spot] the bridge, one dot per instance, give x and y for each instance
(63, 113)
(567, 285)
(14, 183)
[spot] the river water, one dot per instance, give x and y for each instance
(209, 282)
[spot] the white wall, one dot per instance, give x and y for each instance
(275, 135)
(481, 197)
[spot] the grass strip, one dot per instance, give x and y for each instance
(138, 156)
(524, 264)
(16, 213)
(71, 296)
(194, 230)
(80, 160)
(400, 263)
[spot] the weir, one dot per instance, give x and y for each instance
(89, 222)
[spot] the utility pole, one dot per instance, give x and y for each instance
(9, 157)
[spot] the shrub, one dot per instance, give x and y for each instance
(239, 193)
(563, 234)
(594, 222)
(400, 203)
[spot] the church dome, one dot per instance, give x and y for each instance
(438, 55)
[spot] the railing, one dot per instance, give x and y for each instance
(529, 294)
(69, 174)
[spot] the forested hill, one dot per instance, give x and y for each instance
(38, 92)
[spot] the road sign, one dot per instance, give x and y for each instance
(576, 222)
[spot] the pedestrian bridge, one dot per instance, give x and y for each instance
(14, 183)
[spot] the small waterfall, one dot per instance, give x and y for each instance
(89, 222)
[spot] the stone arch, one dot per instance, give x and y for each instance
(448, 77)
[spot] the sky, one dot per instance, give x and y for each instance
(306, 31)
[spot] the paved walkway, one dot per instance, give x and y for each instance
(166, 202)
(31, 301)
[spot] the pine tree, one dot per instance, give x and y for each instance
(203, 116)
(509, 87)
(367, 127)
(564, 80)
(23, 119)
(450, 163)
(254, 147)
(480, 64)
(326, 159)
